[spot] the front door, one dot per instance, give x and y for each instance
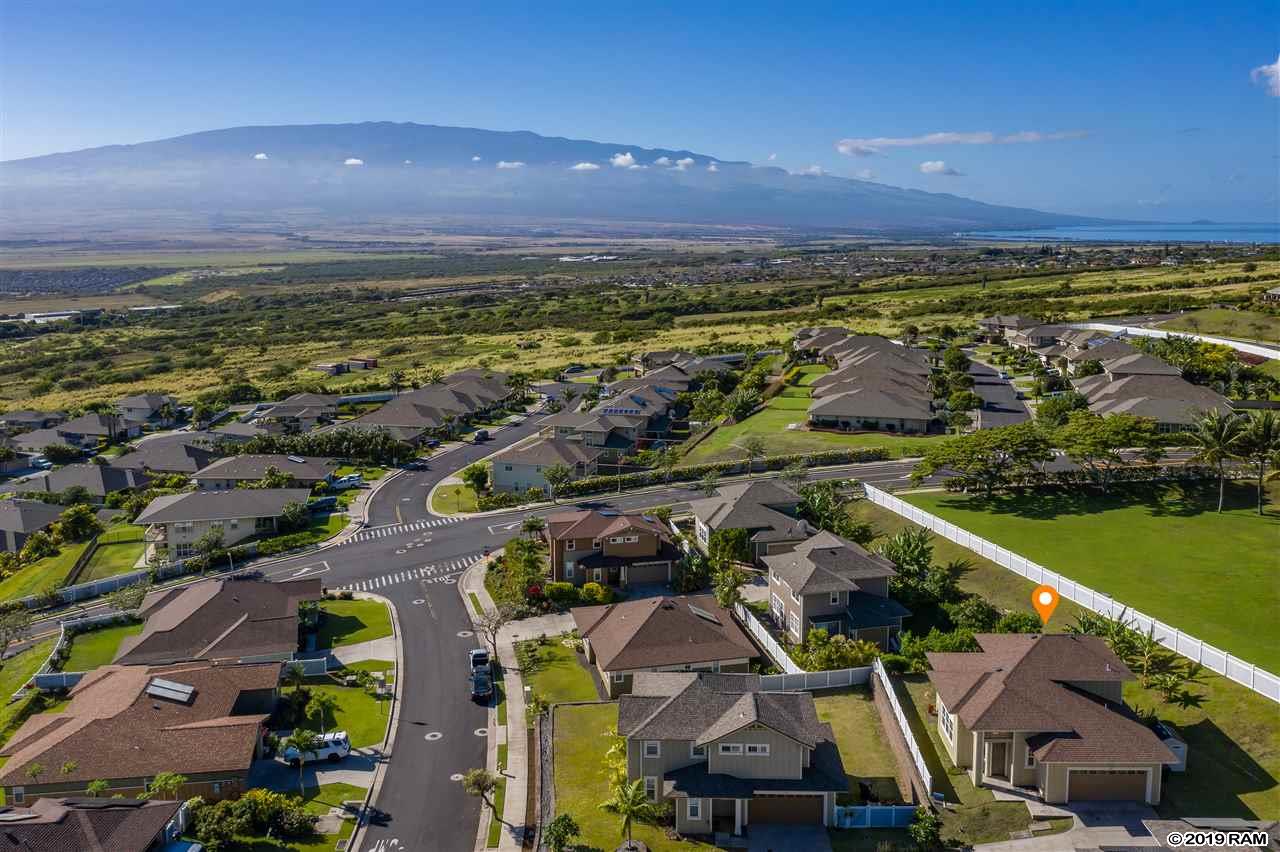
(998, 763)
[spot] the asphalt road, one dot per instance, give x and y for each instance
(1000, 403)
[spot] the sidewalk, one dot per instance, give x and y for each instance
(517, 771)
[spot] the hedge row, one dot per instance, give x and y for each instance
(594, 484)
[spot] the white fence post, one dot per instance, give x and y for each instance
(882, 677)
(1259, 680)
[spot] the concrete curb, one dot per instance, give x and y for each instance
(393, 725)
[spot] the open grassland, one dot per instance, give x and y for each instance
(1163, 550)
(1240, 325)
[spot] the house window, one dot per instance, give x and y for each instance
(652, 748)
(615, 539)
(595, 544)
(793, 622)
(694, 809)
(507, 468)
(697, 750)
(834, 600)
(217, 788)
(1031, 759)
(651, 787)
(758, 749)
(570, 545)
(184, 551)
(18, 795)
(775, 605)
(595, 574)
(235, 525)
(568, 570)
(618, 677)
(731, 748)
(795, 597)
(947, 720)
(630, 539)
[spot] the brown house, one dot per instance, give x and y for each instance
(831, 583)
(688, 633)
(92, 825)
(126, 724)
(610, 548)
(219, 620)
(1046, 714)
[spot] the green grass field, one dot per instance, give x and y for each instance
(1164, 551)
(864, 750)
(48, 572)
(579, 750)
(448, 499)
(349, 622)
(17, 670)
(362, 715)
(1223, 322)
(97, 647)
(558, 675)
(114, 556)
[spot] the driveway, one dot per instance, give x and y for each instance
(1098, 825)
(779, 838)
(356, 769)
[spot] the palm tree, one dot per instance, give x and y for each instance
(397, 380)
(306, 742)
(1258, 444)
(1215, 438)
(323, 705)
(752, 448)
(532, 526)
(294, 676)
(630, 803)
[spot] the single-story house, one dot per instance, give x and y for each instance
(233, 471)
(97, 479)
(88, 430)
(166, 456)
(685, 633)
(728, 754)
(149, 408)
(175, 522)
(873, 408)
(126, 724)
(1046, 713)
(26, 420)
(219, 620)
(63, 823)
(19, 519)
(521, 467)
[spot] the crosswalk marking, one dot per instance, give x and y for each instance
(371, 533)
(440, 572)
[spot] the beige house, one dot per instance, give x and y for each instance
(766, 508)
(686, 633)
(728, 754)
(176, 522)
(1045, 715)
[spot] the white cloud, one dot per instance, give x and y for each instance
(773, 157)
(623, 160)
(712, 167)
(510, 164)
(815, 171)
(938, 167)
(868, 147)
(684, 164)
(261, 157)
(865, 174)
(662, 161)
(353, 161)
(476, 158)
(408, 162)
(1269, 76)
(584, 167)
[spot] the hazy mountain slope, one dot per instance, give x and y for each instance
(413, 168)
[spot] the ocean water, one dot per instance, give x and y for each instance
(1249, 232)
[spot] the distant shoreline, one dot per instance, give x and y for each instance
(1226, 233)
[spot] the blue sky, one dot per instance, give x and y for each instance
(1138, 110)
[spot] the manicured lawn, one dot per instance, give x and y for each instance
(495, 824)
(318, 800)
(558, 676)
(96, 648)
(349, 622)
(448, 499)
(359, 713)
(475, 603)
(1163, 550)
(502, 756)
(999, 586)
(864, 750)
(17, 670)
(791, 406)
(111, 559)
(38, 576)
(500, 696)
(579, 750)
(370, 474)
(117, 533)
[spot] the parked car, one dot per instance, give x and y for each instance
(42, 463)
(516, 419)
(1004, 375)
(479, 658)
(481, 685)
(481, 436)
(335, 745)
(416, 464)
(343, 483)
(432, 443)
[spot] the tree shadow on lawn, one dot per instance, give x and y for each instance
(1177, 499)
(1218, 774)
(334, 628)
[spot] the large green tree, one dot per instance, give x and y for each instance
(989, 459)
(1096, 443)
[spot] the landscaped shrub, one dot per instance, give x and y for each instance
(565, 594)
(594, 593)
(281, 543)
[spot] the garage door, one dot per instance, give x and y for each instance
(1108, 785)
(651, 572)
(785, 809)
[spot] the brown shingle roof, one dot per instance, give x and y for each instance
(86, 825)
(1027, 682)
(112, 728)
(662, 631)
(587, 523)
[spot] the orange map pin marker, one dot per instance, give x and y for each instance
(1045, 600)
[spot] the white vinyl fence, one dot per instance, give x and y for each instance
(884, 684)
(808, 681)
(874, 816)
(1216, 660)
(761, 634)
(1139, 331)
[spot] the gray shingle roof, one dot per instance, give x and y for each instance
(98, 479)
(246, 467)
(173, 456)
(828, 563)
(549, 451)
(221, 505)
(761, 506)
(27, 516)
(873, 403)
(88, 825)
(661, 631)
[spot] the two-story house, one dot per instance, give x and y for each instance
(521, 467)
(729, 754)
(766, 508)
(156, 409)
(175, 522)
(832, 583)
(610, 548)
(302, 412)
(1045, 713)
(615, 435)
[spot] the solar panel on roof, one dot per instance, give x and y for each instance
(172, 690)
(702, 613)
(296, 459)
